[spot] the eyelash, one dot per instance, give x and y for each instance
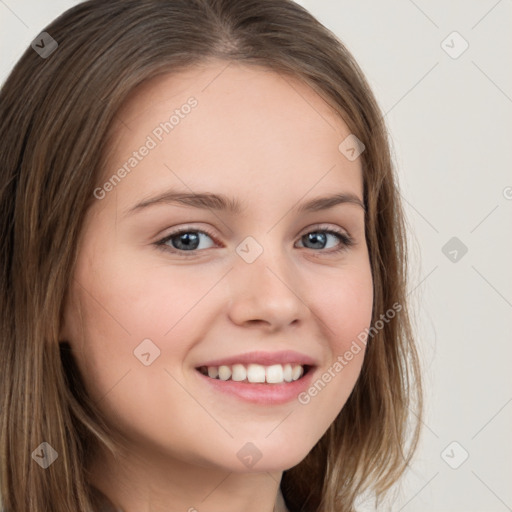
(346, 241)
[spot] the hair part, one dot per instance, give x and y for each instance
(58, 115)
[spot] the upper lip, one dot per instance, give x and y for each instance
(263, 358)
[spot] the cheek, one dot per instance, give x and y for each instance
(128, 316)
(345, 306)
(345, 310)
(131, 299)
(122, 305)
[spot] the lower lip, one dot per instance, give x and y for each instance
(258, 393)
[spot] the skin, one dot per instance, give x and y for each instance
(271, 142)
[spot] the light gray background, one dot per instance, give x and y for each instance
(450, 120)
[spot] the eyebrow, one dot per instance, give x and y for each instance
(221, 202)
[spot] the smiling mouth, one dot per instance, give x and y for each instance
(256, 373)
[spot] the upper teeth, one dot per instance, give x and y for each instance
(274, 374)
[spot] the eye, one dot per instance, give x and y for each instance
(185, 240)
(188, 240)
(319, 238)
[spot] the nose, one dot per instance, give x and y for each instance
(267, 292)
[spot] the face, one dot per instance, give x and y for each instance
(164, 290)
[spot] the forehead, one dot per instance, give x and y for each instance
(229, 83)
(252, 129)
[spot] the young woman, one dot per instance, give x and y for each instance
(203, 267)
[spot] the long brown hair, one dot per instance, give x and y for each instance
(57, 112)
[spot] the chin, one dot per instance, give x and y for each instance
(271, 461)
